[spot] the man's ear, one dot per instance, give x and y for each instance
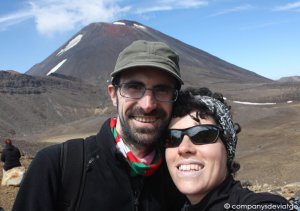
(112, 91)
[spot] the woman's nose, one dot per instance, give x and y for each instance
(186, 146)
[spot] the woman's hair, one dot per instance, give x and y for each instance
(187, 103)
(8, 141)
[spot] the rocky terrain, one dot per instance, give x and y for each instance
(268, 147)
(290, 191)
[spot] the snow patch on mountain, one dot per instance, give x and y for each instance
(134, 25)
(250, 103)
(54, 69)
(119, 23)
(139, 26)
(70, 45)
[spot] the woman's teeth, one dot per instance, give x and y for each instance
(189, 167)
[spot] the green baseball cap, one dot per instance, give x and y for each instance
(143, 53)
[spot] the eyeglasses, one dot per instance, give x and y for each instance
(137, 91)
(200, 134)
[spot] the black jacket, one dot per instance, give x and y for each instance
(230, 195)
(107, 186)
(11, 157)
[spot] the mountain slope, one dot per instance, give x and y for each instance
(91, 55)
(30, 104)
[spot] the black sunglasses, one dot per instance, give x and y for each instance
(200, 134)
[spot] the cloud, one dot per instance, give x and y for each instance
(232, 10)
(186, 3)
(166, 5)
(295, 6)
(14, 18)
(265, 25)
(153, 9)
(53, 16)
(59, 16)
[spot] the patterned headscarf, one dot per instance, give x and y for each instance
(223, 117)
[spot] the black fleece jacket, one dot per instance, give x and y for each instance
(108, 185)
(230, 195)
(11, 157)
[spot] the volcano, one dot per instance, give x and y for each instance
(91, 54)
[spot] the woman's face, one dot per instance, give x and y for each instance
(196, 169)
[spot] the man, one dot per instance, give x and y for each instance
(125, 169)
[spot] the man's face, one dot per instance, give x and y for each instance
(141, 122)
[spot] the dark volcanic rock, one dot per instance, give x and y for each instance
(20, 84)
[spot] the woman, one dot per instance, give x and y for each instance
(200, 149)
(10, 156)
(12, 170)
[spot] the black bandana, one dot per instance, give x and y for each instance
(223, 117)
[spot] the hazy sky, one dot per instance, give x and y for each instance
(260, 35)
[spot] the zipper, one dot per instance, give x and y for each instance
(83, 180)
(136, 201)
(91, 163)
(137, 187)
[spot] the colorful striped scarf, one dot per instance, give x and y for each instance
(136, 166)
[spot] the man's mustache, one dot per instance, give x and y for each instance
(140, 112)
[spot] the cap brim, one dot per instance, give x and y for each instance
(161, 66)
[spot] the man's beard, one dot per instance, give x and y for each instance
(143, 138)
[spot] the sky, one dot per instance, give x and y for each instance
(262, 36)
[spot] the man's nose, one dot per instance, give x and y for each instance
(148, 102)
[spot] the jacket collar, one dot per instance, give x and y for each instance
(220, 193)
(106, 144)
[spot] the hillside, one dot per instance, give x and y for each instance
(30, 104)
